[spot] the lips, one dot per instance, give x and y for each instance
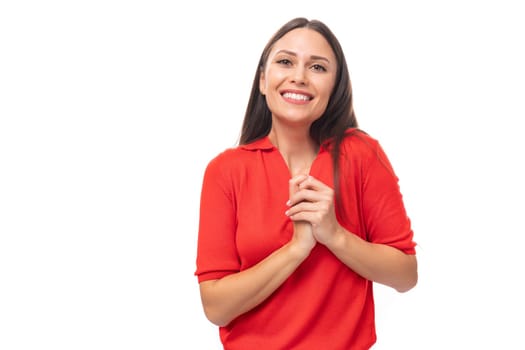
(297, 96)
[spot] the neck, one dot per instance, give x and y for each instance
(297, 148)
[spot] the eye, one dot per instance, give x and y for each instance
(284, 61)
(319, 68)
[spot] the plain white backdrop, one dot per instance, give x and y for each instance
(110, 111)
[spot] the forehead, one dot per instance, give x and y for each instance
(304, 41)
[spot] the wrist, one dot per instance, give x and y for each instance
(299, 250)
(337, 239)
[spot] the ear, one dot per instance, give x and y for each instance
(262, 84)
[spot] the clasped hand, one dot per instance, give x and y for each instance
(312, 202)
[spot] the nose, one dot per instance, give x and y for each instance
(299, 76)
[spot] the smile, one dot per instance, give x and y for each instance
(296, 97)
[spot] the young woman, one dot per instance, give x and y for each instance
(300, 219)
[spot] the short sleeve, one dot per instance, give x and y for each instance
(385, 216)
(216, 250)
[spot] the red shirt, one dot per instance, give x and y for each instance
(323, 304)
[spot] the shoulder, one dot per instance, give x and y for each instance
(224, 160)
(238, 157)
(244, 152)
(359, 143)
(220, 170)
(358, 147)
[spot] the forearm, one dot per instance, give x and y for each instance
(226, 298)
(377, 262)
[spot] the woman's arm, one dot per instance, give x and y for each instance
(314, 203)
(376, 262)
(226, 298)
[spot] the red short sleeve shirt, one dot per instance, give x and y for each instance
(323, 304)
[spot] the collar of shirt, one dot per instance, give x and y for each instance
(264, 144)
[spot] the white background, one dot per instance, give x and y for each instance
(110, 110)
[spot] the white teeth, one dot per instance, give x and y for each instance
(295, 96)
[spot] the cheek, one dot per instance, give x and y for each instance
(275, 77)
(326, 89)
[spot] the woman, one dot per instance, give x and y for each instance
(299, 220)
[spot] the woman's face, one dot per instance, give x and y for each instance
(299, 77)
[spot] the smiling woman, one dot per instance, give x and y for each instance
(301, 71)
(299, 220)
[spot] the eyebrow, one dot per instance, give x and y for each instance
(314, 57)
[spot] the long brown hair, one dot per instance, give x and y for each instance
(336, 119)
